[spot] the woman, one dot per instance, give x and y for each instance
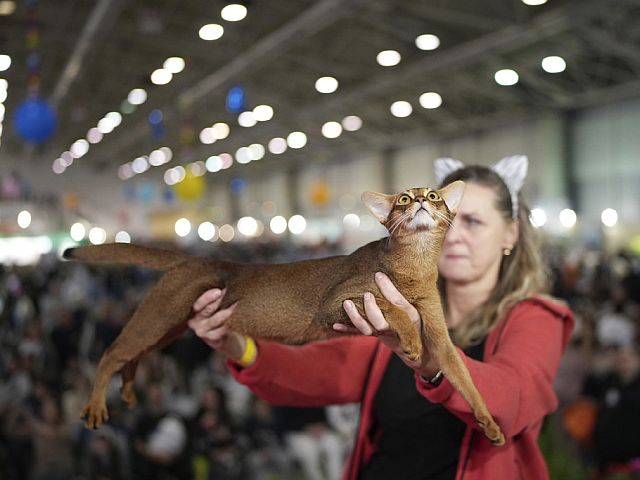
(413, 424)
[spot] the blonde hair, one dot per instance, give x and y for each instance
(522, 273)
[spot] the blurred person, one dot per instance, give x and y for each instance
(50, 437)
(159, 439)
(617, 396)
(413, 423)
(312, 442)
(267, 457)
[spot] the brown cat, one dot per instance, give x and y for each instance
(299, 302)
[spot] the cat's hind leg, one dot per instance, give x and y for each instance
(159, 319)
(127, 392)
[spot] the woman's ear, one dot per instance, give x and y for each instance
(379, 204)
(452, 194)
(512, 233)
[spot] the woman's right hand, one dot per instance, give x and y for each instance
(208, 323)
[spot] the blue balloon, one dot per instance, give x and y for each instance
(34, 120)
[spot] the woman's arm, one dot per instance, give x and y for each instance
(516, 382)
(319, 373)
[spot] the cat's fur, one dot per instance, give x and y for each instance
(299, 302)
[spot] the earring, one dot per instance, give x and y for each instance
(507, 250)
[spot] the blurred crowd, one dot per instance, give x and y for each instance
(194, 421)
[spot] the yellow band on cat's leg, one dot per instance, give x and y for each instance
(250, 352)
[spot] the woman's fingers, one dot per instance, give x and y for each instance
(202, 325)
(342, 328)
(209, 299)
(374, 314)
(360, 323)
(391, 293)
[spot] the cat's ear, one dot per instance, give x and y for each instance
(452, 194)
(379, 204)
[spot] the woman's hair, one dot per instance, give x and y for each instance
(522, 273)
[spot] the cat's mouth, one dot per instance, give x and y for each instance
(422, 220)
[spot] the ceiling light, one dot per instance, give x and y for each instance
(233, 12)
(401, 109)
(351, 123)
(79, 148)
(296, 140)
(77, 232)
(221, 130)
(1, 112)
(243, 155)
(277, 145)
(5, 62)
(506, 77)
(247, 119)
(182, 227)
(297, 224)
(97, 235)
(427, 41)
(226, 233)
(331, 130)
(278, 224)
(122, 237)
(213, 164)
(538, 217)
(114, 117)
(212, 31)
(326, 85)
(161, 76)
(534, 2)
(125, 171)
(388, 58)
(208, 136)
(227, 160)
(24, 219)
(206, 231)
(430, 100)
(609, 217)
(94, 135)
(58, 167)
(140, 165)
(247, 226)
(174, 64)
(7, 7)
(263, 113)
(554, 64)
(157, 158)
(137, 96)
(568, 218)
(257, 151)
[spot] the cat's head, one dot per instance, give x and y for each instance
(417, 209)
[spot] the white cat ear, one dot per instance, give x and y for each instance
(452, 194)
(444, 166)
(379, 204)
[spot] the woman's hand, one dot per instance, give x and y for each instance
(376, 324)
(208, 323)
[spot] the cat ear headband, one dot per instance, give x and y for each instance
(512, 170)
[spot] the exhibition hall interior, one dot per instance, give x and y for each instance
(247, 132)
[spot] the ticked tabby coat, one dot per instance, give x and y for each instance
(299, 302)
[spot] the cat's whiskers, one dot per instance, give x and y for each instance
(444, 218)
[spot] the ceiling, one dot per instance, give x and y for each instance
(94, 52)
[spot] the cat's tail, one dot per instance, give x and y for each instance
(125, 253)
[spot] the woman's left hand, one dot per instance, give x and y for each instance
(376, 324)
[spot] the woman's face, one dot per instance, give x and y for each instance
(474, 245)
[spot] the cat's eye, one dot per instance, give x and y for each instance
(433, 196)
(404, 200)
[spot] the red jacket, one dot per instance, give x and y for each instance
(521, 357)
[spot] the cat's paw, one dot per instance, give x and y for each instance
(128, 395)
(94, 414)
(493, 433)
